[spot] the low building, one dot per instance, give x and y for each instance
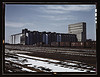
(15, 38)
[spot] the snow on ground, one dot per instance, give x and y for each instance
(9, 70)
(10, 59)
(25, 69)
(38, 58)
(38, 64)
(52, 66)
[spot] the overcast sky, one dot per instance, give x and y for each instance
(53, 18)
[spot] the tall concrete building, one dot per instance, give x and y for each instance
(79, 29)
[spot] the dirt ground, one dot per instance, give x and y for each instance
(88, 57)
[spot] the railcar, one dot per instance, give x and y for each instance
(77, 44)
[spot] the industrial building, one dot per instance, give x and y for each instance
(35, 37)
(75, 38)
(79, 29)
(15, 38)
(76, 33)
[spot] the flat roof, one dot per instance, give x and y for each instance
(16, 34)
(77, 23)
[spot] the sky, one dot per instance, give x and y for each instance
(49, 18)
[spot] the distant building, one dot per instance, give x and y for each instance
(68, 38)
(15, 38)
(34, 37)
(79, 29)
(89, 40)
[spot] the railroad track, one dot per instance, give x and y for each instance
(91, 54)
(31, 68)
(62, 64)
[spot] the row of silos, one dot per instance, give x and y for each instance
(34, 37)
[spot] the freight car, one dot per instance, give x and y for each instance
(77, 44)
(88, 44)
(65, 44)
(94, 44)
(68, 44)
(54, 44)
(62, 44)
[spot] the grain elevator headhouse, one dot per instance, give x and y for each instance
(79, 29)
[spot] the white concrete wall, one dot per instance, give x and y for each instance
(15, 39)
(77, 29)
